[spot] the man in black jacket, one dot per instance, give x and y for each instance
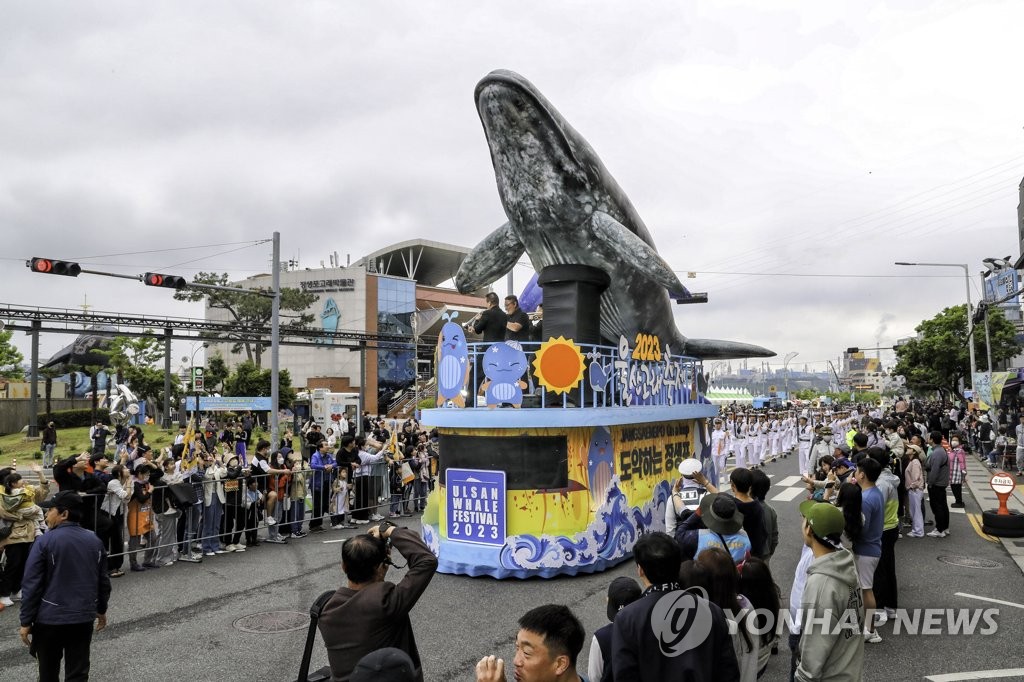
(371, 613)
(670, 634)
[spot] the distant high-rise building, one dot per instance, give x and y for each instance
(1020, 217)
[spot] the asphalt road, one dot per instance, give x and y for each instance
(178, 622)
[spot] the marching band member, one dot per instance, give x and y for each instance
(804, 436)
(718, 451)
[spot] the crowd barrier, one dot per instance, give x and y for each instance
(183, 531)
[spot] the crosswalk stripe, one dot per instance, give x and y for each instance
(787, 495)
(788, 481)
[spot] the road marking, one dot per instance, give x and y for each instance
(788, 494)
(976, 675)
(328, 542)
(788, 481)
(976, 523)
(990, 599)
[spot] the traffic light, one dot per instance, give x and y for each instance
(155, 279)
(54, 267)
(979, 314)
(198, 378)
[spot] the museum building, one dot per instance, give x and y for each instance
(403, 289)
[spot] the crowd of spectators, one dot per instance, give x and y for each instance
(219, 489)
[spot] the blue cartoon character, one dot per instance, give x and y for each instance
(600, 463)
(504, 366)
(452, 363)
(597, 373)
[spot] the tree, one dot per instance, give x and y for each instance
(93, 372)
(48, 374)
(137, 362)
(250, 312)
(938, 360)
(250, 380)
(10, 357)
(216, 372)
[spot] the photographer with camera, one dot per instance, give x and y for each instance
(371, 613)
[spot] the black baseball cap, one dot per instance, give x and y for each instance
(384, 665)
(622, 592)
(64, 500)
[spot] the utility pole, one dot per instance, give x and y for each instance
(275, 338)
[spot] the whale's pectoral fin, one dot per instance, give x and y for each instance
(617, 243)
(493, 257)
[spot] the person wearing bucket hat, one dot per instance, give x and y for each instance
(832, 605)
(621, 592)
(66, 588)
(716, 523)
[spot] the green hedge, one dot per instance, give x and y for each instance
(66, 419)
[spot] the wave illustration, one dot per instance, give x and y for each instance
(610, 536)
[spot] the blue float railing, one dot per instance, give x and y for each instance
(613, 376)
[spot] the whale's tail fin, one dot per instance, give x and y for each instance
(715, 349)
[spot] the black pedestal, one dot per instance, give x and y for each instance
(572, 308)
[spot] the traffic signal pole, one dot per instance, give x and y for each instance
(50, 266)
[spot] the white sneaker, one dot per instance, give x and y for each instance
(376, 517)
(935, 534)
(337, 526)
(239, 548)
(872, 637)
(231, 548)
(360, 522)
(6, 601)
(271, 521)
(944, 534)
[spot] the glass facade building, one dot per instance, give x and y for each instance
(396, 366)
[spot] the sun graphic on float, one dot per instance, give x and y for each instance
(559, 365)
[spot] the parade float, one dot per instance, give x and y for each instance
(554, 456)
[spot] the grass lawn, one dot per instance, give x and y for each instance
(69, 441)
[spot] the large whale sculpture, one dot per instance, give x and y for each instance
(564, 207)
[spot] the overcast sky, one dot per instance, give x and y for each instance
(825, 138)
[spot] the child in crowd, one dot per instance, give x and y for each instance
(253, 516)
(140, 521)
(339, 499)
(397, 487)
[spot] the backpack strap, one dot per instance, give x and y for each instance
(314, 616)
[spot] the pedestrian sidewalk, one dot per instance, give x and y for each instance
(978, 476)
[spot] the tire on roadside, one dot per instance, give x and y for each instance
(1008, 526)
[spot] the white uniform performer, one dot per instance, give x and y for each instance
(718, 451)
(791, 437)
(761, 429)
(744, 441)
(804, 436)
(774, 438)
(730, 434)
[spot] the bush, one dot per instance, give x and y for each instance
(37, 455)
(66, 419)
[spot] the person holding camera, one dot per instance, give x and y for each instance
(370, 613)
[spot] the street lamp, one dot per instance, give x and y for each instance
(970, 308)
(785, 367)
(192, 371)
